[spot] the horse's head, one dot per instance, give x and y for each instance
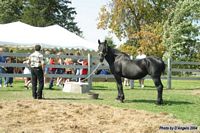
(102, 49)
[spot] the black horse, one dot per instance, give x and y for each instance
(122, 66)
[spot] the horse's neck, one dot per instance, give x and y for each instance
(110, 57)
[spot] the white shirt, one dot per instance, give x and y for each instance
(26, 69)
(142, 56)
(36, 59)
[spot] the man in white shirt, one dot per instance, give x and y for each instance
(36, 61)
(141, 55)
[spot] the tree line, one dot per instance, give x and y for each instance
(164, 28)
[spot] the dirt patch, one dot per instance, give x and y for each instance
(196, 92)
(45, 116)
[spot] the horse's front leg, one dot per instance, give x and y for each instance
(159, 86)
(120, 96)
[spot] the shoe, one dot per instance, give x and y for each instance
(50, 88)
(60, 85)
(0, 85)
(26, 87)
(142, 86)
(39, 98)
(6, 85)
(29, 86)
(11, 85)
(35, 96)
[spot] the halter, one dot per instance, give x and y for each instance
(101, 53)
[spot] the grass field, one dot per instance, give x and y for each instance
(181, 102)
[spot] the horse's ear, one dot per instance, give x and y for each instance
(106, 45)
(99, 41)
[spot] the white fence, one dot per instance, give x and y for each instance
(91, 66)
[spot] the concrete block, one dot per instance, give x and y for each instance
(76, 87)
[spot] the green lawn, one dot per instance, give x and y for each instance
(180, 102)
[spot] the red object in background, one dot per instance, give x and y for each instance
(52, 62)
(84, 70)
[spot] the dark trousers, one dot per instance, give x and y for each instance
(9, 80)
(37, 75)
(52, 78)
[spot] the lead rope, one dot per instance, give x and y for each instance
(93, 72)
(85, 78)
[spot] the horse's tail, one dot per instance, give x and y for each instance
(162, 66)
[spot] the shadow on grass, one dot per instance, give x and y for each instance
(74, 99)
(100, 87)
(63, 98)
(165, 89)
(141, 89)
(186, 89)
(167, 102)
(53, 89)
(147, 86)
(104, 88)
(13, 89)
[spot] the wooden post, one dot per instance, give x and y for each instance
(169, 73)
(90, 71)
(131, 80)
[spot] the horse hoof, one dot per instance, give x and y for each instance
(118, 100)
(159, 102)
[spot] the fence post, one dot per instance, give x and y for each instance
(169, 73)
(89, 71)
(131, 80)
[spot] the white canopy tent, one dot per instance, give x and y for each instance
(23, 35)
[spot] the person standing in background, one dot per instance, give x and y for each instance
(141, 55)
(59, 70)
(9, 70)
(2, 60)
(36, 61)
(27, 80)
(77, 70)
(131, 81)
(126, 82)
(46, 69)
(84, 71)
(52, 70)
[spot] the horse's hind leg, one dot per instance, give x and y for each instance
(119, 88)
(159, 86)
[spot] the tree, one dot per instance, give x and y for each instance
(150, 39)
(110, 42)
(36, 13)
(126, 18)
(129, 49)
(65, 16)
(140, 22)
(48, 12)
(10, 10)
(40, 13)
(180, 31)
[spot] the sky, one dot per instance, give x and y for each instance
(87, 15)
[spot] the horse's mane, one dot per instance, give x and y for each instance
(116, 52)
